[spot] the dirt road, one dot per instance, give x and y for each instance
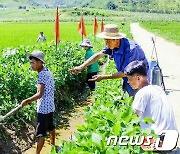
(169, 59)
(67, 129)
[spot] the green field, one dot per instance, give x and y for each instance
(21, 27)
(15, 34)
(19, 30)
(168, 30)
(69, 15)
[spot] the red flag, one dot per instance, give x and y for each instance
(95, 26)
(56, 28)
(81, 28)
(102, 26)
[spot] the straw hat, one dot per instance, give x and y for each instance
(37, 54)
(111, 31)
(86, 43)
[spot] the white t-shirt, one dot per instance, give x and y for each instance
(41, 38)
(152, 102)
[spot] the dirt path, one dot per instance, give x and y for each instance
(169, 59)
(66, 129)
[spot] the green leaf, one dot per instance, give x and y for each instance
(148, 120)
(110, 116)
(136, 120)
(81, 128)
(116, 128)
(53, 150)
(96, 138)
(110, 151)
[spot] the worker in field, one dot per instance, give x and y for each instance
(44, 98)
(150, 100)
(93, 68)
(41, 37)
(123, 52)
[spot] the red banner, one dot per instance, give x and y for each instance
(81, 28)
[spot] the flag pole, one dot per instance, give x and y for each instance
(102, 24)
(94, 29)
(82, 25)
(56, 27)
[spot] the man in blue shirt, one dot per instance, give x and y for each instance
(123, 52)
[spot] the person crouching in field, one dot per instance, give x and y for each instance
(93, 68)
(45, 99)
(41, 37)
(150, 100)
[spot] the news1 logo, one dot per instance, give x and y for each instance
(166, 141)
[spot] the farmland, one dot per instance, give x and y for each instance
(168, 30)
(14, 34)
(18, 33)
(9, 15)
(111, 114)
(19, 27)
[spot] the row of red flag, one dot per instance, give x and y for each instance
(81, 27)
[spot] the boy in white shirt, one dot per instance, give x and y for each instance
(150, 100)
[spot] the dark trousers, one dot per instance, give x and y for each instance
(91, 84)
(44, 124)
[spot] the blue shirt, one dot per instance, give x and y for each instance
(129, 51)
(45, 104)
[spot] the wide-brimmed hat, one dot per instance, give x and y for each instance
(111, 31)
(86, 43)
(37, 54)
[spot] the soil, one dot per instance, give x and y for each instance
(68, 125)
(16, 141)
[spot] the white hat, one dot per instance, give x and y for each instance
(86, 43)
(111, 31)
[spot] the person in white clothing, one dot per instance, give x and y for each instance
(41, 37)
(150, 100)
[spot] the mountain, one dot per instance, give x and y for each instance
(158, 6)
(26, 4)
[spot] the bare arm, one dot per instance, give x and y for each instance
(92, 59)
(137, 112)
(112, 76)
(115, 76)
(40, 91)
(37, 39)
(88, 62)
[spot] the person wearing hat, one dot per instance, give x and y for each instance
(123, 52)
(93, 68)
(44, 98)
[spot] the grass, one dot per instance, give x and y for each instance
(168, 30)
(70, 15)
(14, 34)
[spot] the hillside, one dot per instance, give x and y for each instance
(26, 4)
(156, 6)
